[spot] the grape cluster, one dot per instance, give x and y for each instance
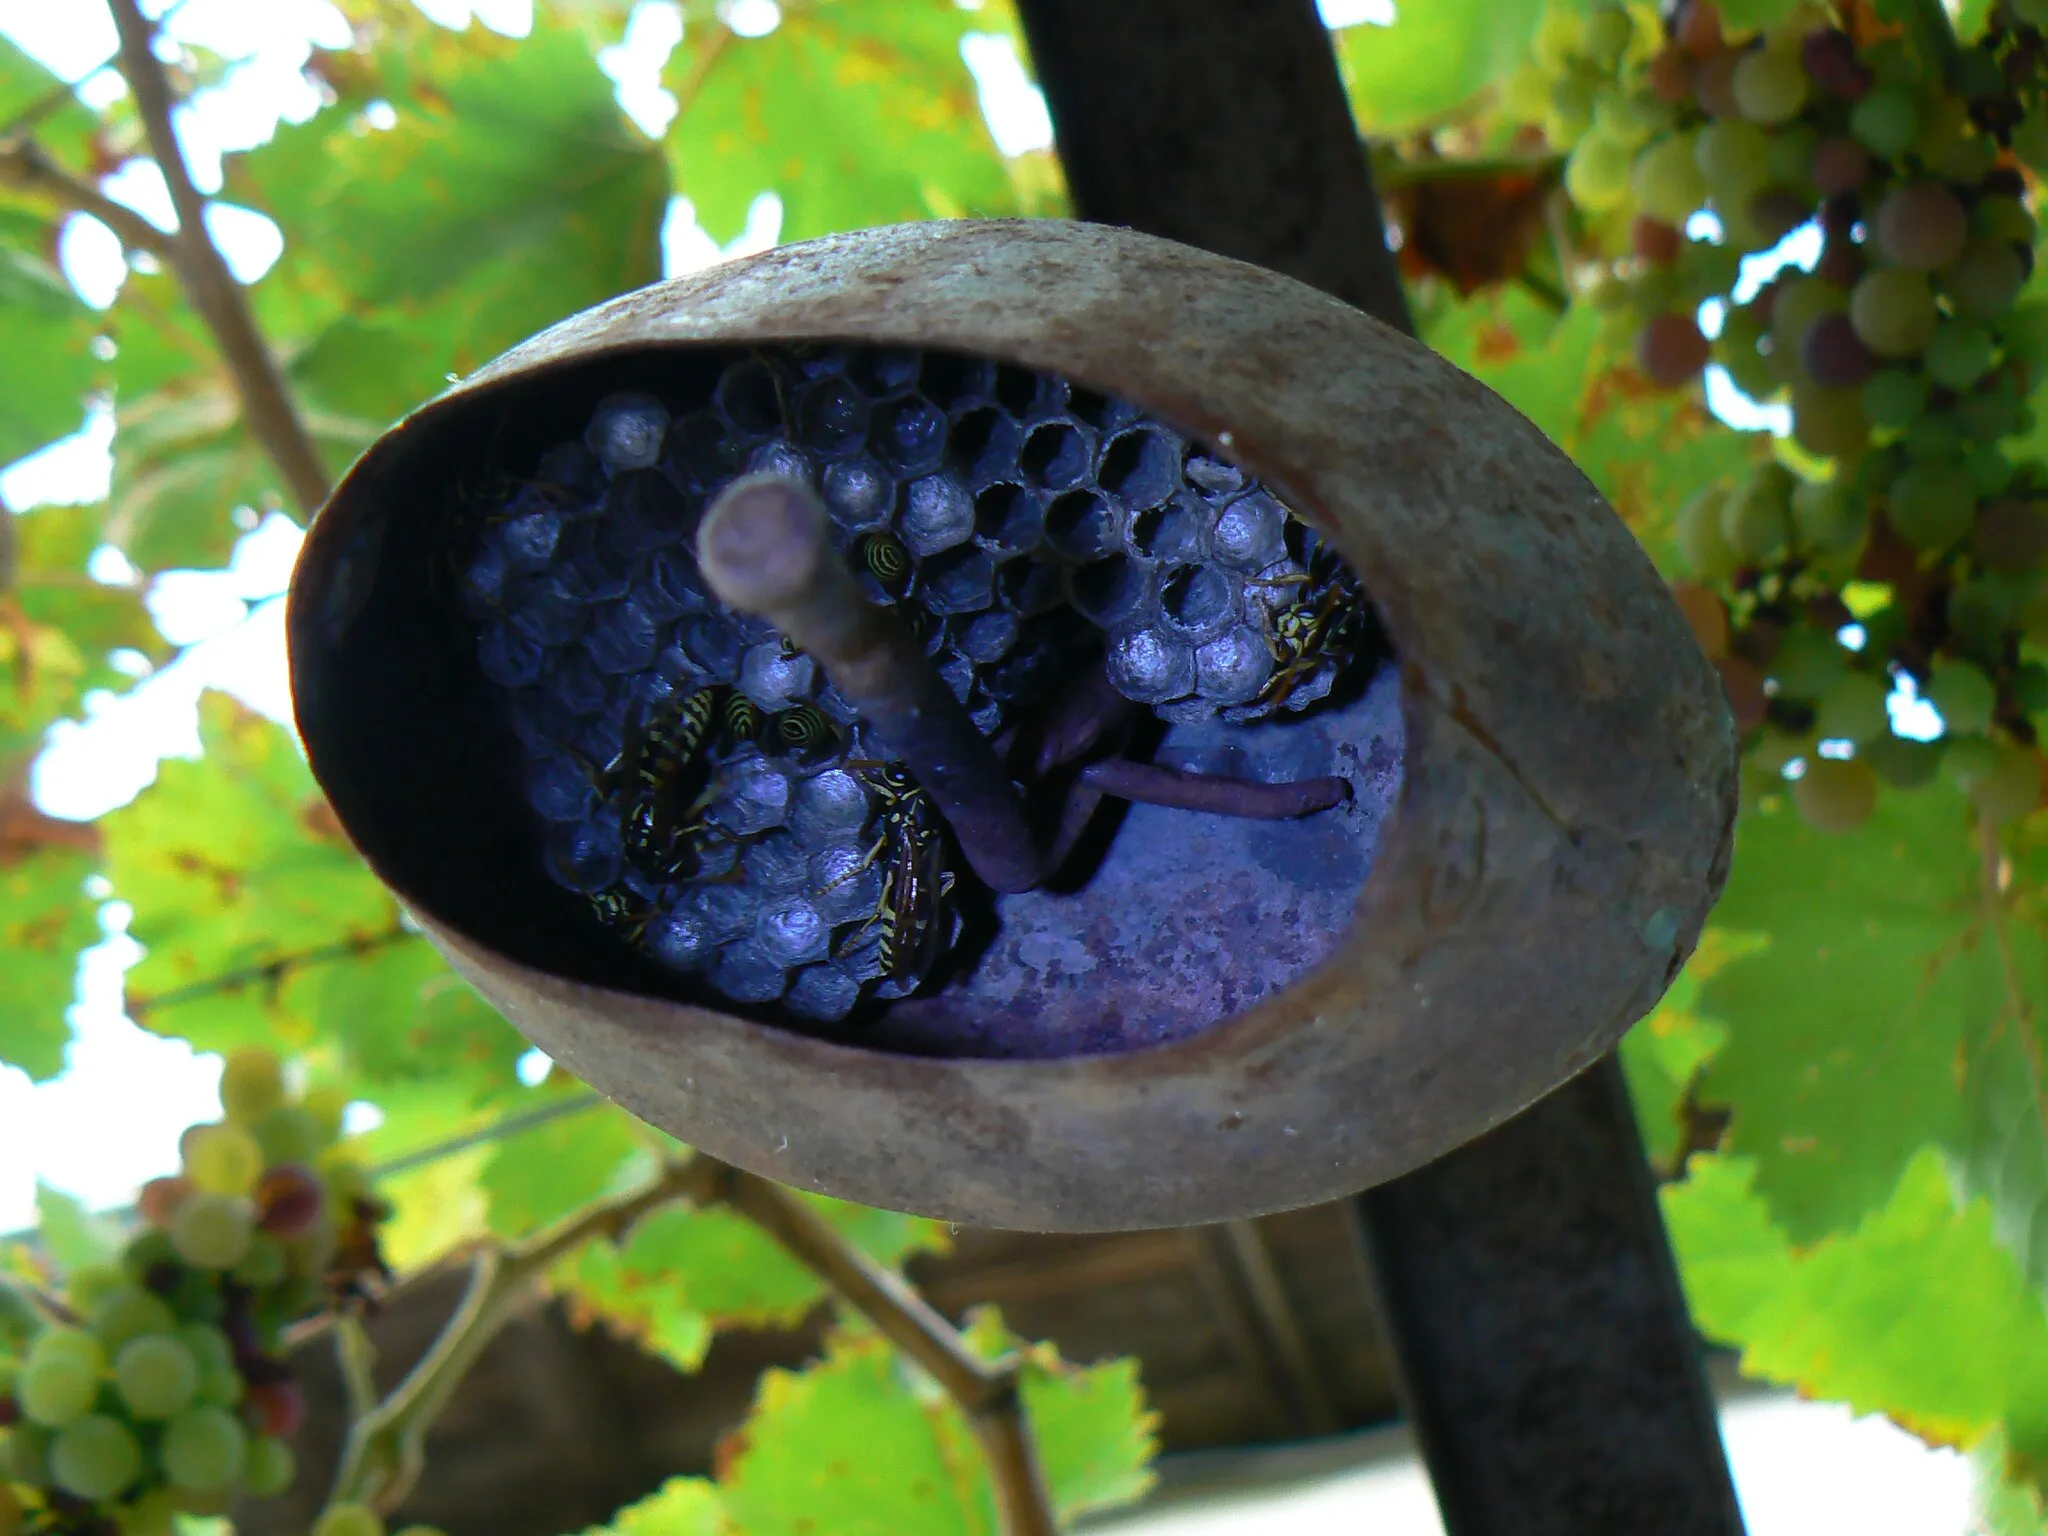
(166, 1389)
(1019, 525)
(1902, 534)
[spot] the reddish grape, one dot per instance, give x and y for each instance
(1714, 84)
(1671, 350)
(1706, 614)
(1986, 279)
(1775, 213)
(1834, 355)
(1834, 794)
(289, 1201)
(1743, 682)
(1830, 58)
(1921, 226)
(2010, 536)
(1840, 166)
(1671, 76)
(1841, 263)
(1654, 240)
(276, 1408)
(1697, 27)
(161, 1198)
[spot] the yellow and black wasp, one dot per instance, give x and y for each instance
(912, 914)
(1327, 620)
(661, 774)
(885, 558)
(802, 731)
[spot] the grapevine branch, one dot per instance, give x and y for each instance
(27, 167)
(385, 1450)
(269, 973)
(266, 403)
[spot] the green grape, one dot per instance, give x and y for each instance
(1571, 111)
(156, 1376)
(144, 1256)
(154, 1514)
(1827, 516)
(87, 1286)
(1829, 422)
(1525, 95)
(1799, 303)
(1854, 709)
(349, 1520)
(328, 1106)
(251, 1084)
(1770, 87)
(1988, 469)
(1792, 151)
(290, 1134)
(1753, 373)
(1756, 519)
(1964, 159)
(1808, 664)
(1666, 182)
(11, 1511)
(60, 1376)
(1606, 35)
(270, 1467)
(1835, 795)
(2030, 688)
(1629, 119)
(213, 1231)
(1980, 611)
(1597, 173)
(27, 1454)
(1558, 40)
(223, 1160)
(1968, 760)
(1733, 153)
(1893, 311)
(1986, 416)
(1894, 398)
(95, 1457)
(422, 1530)
(128, 1313)
(2030, 139)
(1701, 543)
(203, 1450)
(1932, 437)
(1960, 353)
(2003, 218)
(1932, 505)
(1887, 121)
(209, 1347)
(1963, 696)
(1921, 225)
(264, 1264)
(1902, 763)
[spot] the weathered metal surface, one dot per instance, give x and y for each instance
(1564, 809)
(1546, 1360)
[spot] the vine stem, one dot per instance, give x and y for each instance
(385, 1451)
(266, 401)
(27, 167)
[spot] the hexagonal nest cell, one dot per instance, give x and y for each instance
(680, 801)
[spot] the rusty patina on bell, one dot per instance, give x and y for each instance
(1230, 1018)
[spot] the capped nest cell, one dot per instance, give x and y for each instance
(1433, 786)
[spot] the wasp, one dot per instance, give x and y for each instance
(740, 721)
(885, 559)
(663, 768)
(621, 908)
(1326, 621)
(801, 729)
(912, 911)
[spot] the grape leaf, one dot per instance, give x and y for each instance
(399, 1014)
(1917, 1312)
(1661, 1058)
(1434, 59)
(543, 1174)
(238, 877)
(854, 112)
(1094, 1436)
(74, 1236)
(46, 334)
(852, 1446)
(684, 1270)
(1647, 450)
(65, 129)
(682, 1506)
(1845, 1028)
(45, 921)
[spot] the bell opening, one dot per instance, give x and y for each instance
(544, 729)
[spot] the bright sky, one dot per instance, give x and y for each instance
(1802, 1468)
